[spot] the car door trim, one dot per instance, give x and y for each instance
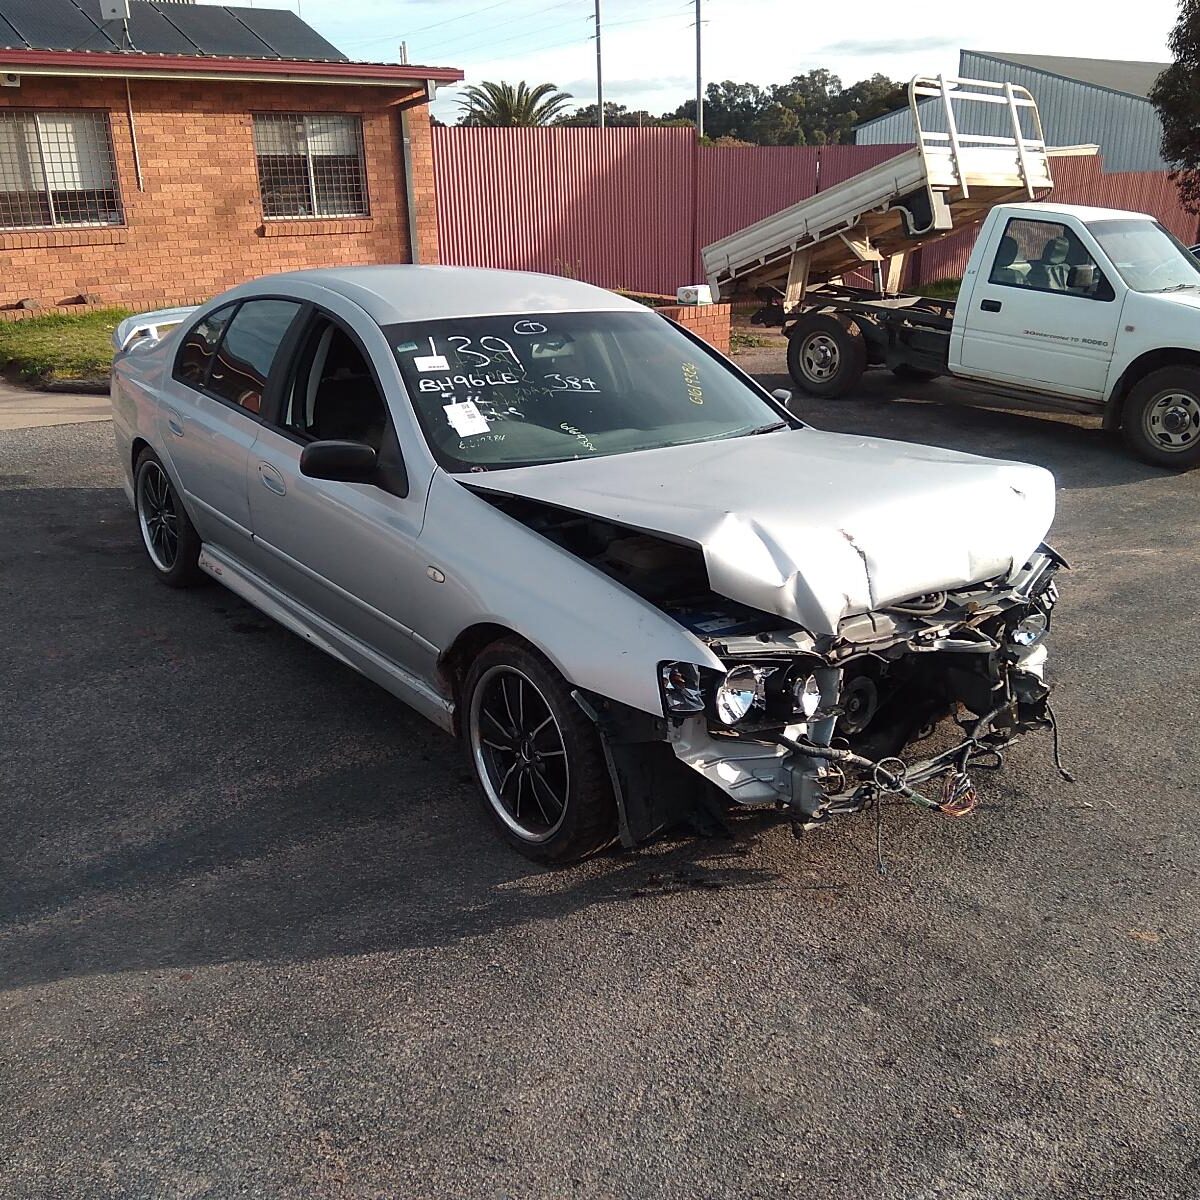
(343, 594)
(336, 642)
(216, 514)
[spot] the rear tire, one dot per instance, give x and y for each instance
(826, 355)
(171, 543)
(1161, 420)
(536, 757)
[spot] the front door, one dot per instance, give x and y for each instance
(1045, 316)
(347, 551)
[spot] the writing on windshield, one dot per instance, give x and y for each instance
(496, 392)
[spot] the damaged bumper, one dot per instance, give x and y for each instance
(822, 726)
(858, 701)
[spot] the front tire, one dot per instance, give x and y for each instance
(536, 757)
(1161, 421)
(826, 356)
(171, 543)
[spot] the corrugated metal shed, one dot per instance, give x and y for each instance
(1075, 110)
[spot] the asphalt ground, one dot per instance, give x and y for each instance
(258, 940)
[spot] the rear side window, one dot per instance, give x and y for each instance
(199, 346)
(243, 360)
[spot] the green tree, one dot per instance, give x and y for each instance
(808, 110)
(501, 104)
(614, 114)
(1176, 95)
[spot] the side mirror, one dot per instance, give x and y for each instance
(345, 462)
(1081, 277)
(782, 395)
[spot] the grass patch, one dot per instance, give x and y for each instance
(940, 289)
(739, 339)
(642, 298)
(60, 346)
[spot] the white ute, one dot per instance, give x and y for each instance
(1062, 307)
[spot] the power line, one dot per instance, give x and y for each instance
(436, 24)
(488, 44)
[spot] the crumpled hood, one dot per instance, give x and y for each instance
(809, 525)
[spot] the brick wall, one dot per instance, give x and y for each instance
(196, 228)
(707, 321)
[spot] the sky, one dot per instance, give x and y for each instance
(649, 45)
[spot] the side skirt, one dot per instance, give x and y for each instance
(347, 650)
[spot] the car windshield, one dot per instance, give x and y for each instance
(497, 392)
(1148, 257)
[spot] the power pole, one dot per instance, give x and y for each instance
(699, 78)
(600, 69)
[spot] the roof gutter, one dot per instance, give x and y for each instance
(105, 65)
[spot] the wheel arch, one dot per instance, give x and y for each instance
(1138, 369)
(455, 661)
(135, 452)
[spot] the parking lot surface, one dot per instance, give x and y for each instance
(258, 940)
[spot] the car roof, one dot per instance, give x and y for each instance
(1085, 212)
(397, 293)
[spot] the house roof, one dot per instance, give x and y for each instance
(1116, 75)
(67, 37)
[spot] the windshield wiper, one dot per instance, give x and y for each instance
(1178, 287)
(772, 428)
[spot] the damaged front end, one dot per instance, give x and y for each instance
(825, 725)
(812, 723)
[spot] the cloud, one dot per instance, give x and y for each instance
(889, 46)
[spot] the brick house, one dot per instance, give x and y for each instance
(231, 143)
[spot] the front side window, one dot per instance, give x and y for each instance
(496, 392)
(56, 169)
(333, 395)
(311, 165)
(1147, 256)
(1047, 256)
(244, 358)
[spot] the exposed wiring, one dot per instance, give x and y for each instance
(1058, 764)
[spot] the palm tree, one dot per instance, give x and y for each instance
(495, 104)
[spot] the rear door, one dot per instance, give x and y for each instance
(213, 412)
(1043, 316)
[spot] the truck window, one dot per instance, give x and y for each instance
(1148, 257)
(1046, 256)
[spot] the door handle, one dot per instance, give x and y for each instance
(174, 424)
(271, 479)
(991, 305)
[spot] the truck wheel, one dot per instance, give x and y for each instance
(1161, 421)
(826, 357)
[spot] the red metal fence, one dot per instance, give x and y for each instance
(630, 208)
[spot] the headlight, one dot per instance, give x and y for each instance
(681, 688)
(1029, 630)
(738, 693)
(806, 693)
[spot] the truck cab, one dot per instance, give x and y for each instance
(1092, 304)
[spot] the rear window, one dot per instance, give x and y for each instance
(247, 351)
(196, 354)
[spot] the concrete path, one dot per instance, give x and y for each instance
(23, 408)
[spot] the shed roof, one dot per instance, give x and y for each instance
(1116, 75)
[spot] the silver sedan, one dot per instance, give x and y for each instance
(566, 530)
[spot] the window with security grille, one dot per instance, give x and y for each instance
(57, 168)
(310, 165)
